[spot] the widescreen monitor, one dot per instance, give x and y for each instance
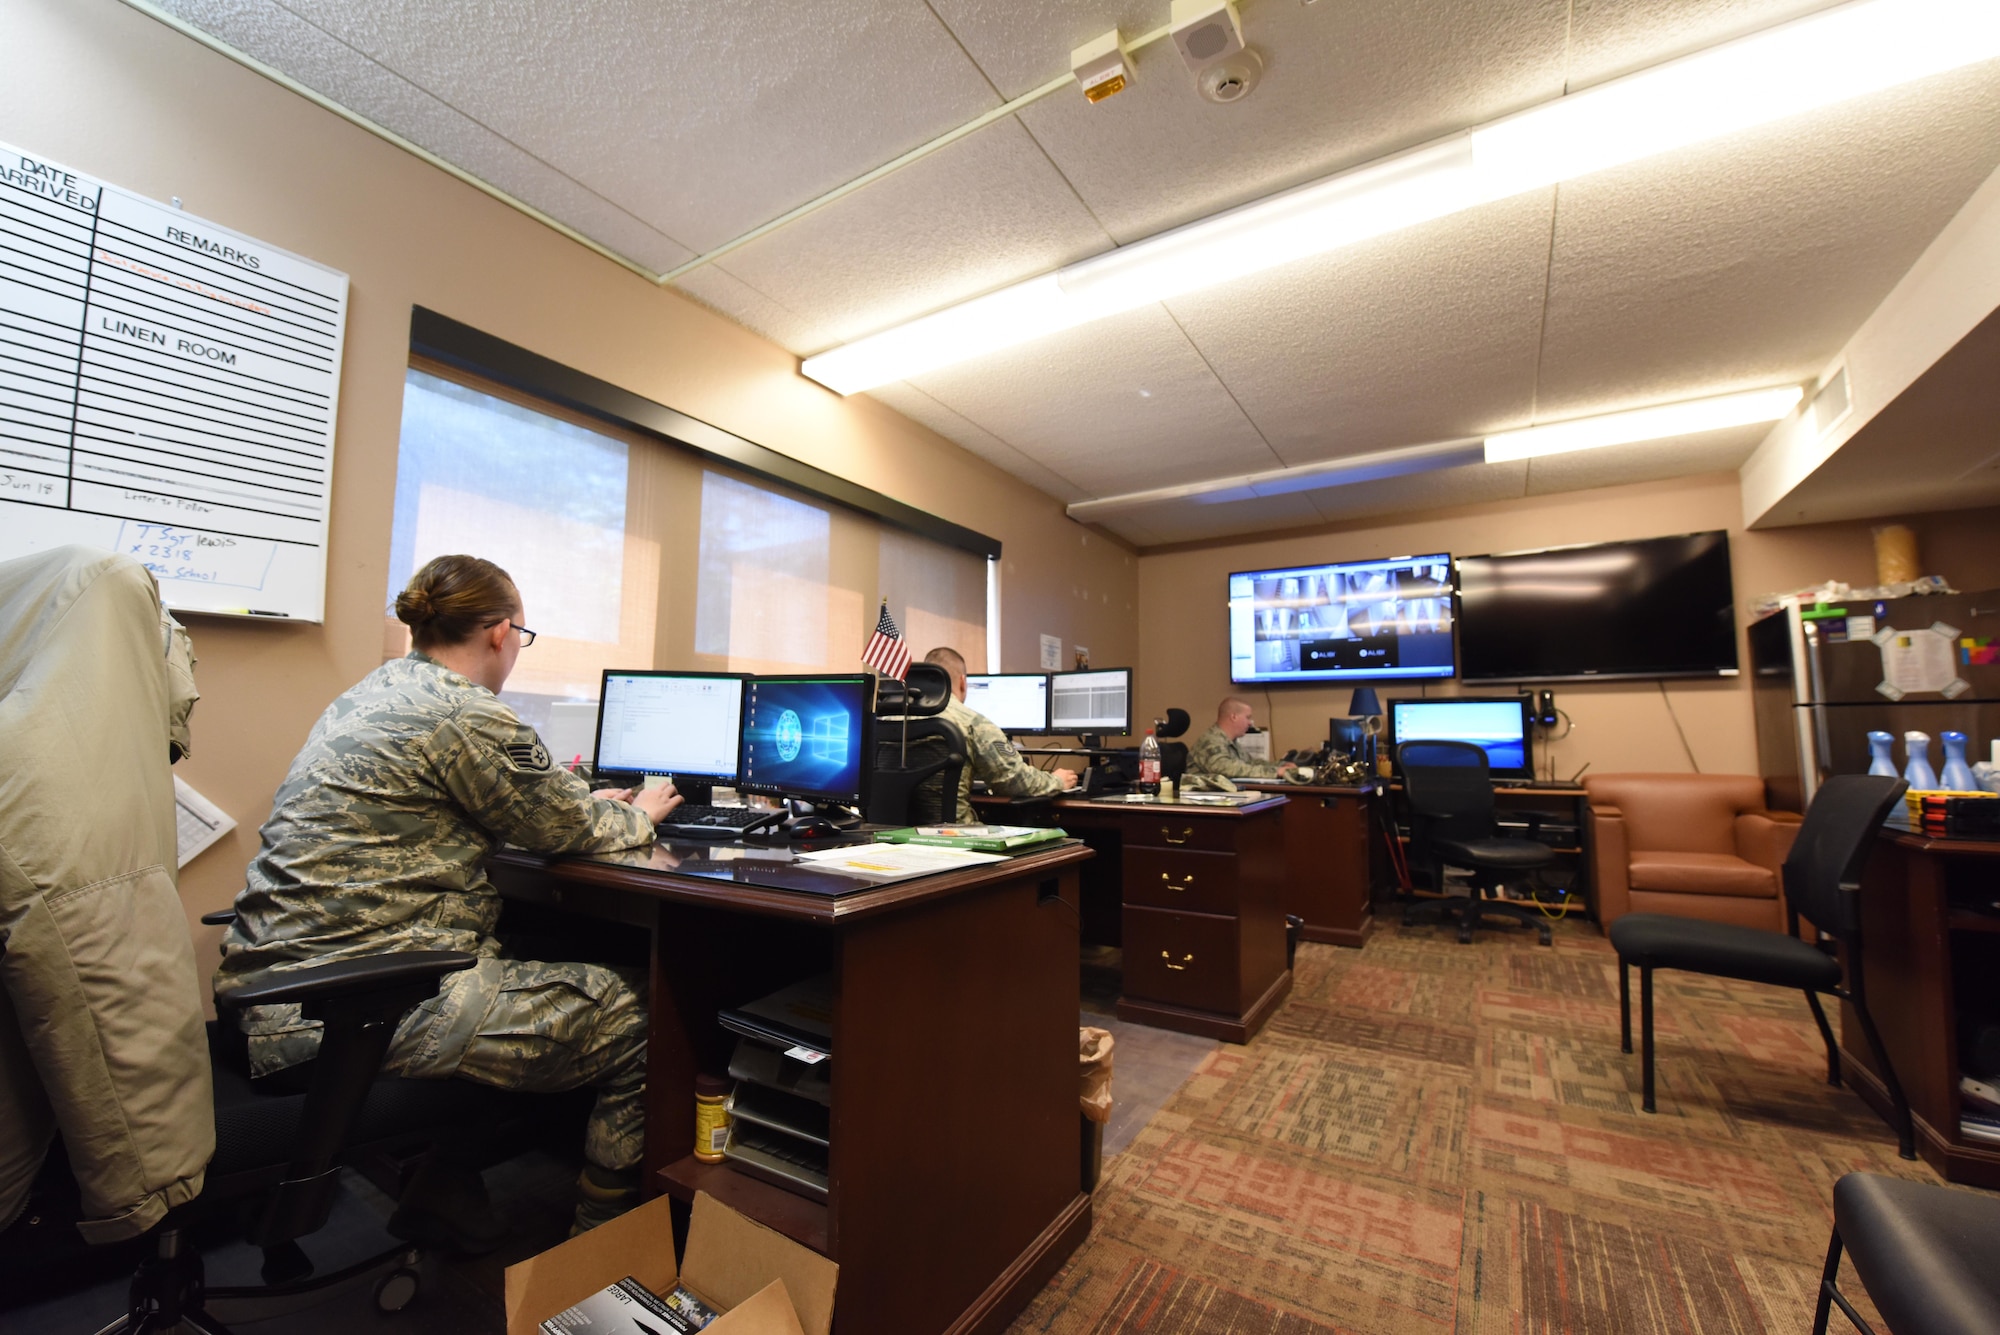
(1343, 621)
(807, 737)
(1015, 701)
(1498, 725)
(684, 724)
(1098, 702)
(1654, 607)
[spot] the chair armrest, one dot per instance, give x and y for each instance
(1610, 856)
(342, 979)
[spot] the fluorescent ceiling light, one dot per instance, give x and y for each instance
(1839, 53)
(1661, 423)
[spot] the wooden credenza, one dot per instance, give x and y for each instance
(1332, 855)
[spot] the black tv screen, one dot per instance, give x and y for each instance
(1655, 607)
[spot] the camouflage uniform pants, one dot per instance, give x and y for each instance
(540, 1028)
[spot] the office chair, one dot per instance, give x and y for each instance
(1822, 881)
(1929, 1256)
(1173, 755)
(1452, 825)
(919, 757)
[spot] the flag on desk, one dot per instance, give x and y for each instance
(886, 652)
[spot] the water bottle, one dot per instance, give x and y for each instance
(1149, 763)
(1917, 771)
(1882, 754)
(1957, 776)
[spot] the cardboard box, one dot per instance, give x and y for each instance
(762, 1282)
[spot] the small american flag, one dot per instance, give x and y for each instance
(886, 652)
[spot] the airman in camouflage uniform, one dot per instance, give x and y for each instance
(1216, 751)
(990, 755)
(376, 843)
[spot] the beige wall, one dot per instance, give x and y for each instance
(1183, 625)
(99, 87)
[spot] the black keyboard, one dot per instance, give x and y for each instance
(692, 821)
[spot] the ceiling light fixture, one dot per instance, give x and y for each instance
(1660, 423)
(1838, 53)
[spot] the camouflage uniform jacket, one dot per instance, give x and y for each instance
(378, 836)
(1214, 753)
(990, 755)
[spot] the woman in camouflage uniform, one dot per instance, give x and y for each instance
(377, 841)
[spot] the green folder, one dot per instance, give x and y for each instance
(980, 838)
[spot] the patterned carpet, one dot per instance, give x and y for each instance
(1442, 1138)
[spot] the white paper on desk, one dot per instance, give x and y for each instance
(895, 861)
(200, 822)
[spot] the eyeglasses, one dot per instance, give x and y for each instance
(527, 636)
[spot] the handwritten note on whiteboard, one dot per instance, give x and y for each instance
(167, 390)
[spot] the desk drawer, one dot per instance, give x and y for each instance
(1170, 878)
(1203, 833)
(1182, 959)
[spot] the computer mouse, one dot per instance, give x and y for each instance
(814, 827)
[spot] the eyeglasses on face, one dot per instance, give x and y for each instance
(527, 636)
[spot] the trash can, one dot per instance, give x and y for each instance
(1295, 926)
(1093, 1098)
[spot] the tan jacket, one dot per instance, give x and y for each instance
(100, 1009)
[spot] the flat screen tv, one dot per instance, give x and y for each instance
(1654, 607)
(1383, 619)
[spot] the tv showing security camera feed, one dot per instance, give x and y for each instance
(1383, 619)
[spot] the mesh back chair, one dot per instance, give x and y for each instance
(1452, 825)
(1823, 882)
(919, 757)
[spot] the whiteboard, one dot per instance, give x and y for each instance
(167, 390)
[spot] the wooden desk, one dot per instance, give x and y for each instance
(1331, 853)
(1199, 895)
(1925, 962)
(954, 1186)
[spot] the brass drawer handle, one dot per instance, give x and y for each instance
(1168, 956)
(1187, 833)
(1168, 881)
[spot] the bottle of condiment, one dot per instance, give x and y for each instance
(711, 1117)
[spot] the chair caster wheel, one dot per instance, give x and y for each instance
(1465, 936)
(397, 1289)
(1547, 939)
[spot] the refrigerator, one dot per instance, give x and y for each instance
(1824, 676)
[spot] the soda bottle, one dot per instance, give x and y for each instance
(1149, 762)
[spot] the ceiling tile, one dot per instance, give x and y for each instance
(1022, 44)
(1751, 261)
(1428, 335)
(720, 290)
(1122, 404)
(920, 407)
(1343, 84)
(1613, 37)
(1646, 461)
(705, 119)
(983, 213)
(320, 62)
(1470, 485)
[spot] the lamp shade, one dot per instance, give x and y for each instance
(1365, 704)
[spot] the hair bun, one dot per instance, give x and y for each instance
(413, 607)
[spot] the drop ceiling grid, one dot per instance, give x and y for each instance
(321, 61)
(920, 407)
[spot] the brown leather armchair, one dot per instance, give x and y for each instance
(1691, 845)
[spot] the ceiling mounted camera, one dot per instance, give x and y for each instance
(1230, 79)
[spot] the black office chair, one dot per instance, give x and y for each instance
(1173, 755)
(279, 1154)
(1452, 824)
(919, 757)
(1822, 881)
(1929, 1256)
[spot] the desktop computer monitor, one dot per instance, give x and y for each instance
(808, 737)
(1015, 701)
(1498, 725)
(1095, 702)
(684, 724)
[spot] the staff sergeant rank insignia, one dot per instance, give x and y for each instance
(528, 755)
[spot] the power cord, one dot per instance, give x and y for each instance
(1693, 764)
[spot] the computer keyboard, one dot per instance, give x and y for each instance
(690, 820)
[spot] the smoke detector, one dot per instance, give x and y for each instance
(1231, 78)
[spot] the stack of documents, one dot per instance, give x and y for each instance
(987, 838)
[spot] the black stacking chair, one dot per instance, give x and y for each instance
(918, 756)
(1452, 825)
(1822, 878)
(1929, 1256)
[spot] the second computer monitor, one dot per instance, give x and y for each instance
(1015, 701)
(808, 737)
(1095, 702)
(684, 724)
(1497, 725)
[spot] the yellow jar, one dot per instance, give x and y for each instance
(711, 1117)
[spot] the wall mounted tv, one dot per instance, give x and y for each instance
(1655, 607)
(1342, 621)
